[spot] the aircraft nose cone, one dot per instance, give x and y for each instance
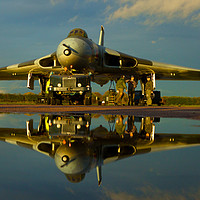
(75, 52)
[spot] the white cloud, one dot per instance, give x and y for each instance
(108, 9)
(54, 2)
(196, 19)
(73, 19)
(88, 1)
(158, 40)
(157, 11)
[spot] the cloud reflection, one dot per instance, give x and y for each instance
(152, 192)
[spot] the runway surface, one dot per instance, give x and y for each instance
(184, 112)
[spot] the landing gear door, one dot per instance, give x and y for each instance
(152, 133)
(29, 127)
(30, 81)
(153, 78)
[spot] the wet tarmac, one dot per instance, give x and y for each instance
(98, 156)
(164, 111)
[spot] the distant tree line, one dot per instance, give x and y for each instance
(96, 99)
(181, 100)
(28, 97)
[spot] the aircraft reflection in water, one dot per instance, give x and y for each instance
(77, 148)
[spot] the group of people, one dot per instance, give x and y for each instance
(132, 84)
(128, 128)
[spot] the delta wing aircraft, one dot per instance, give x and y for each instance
(79, 54)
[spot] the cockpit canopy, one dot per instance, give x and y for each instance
(78, 32)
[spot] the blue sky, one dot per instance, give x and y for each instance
(165, 31)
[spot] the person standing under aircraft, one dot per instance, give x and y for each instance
(120, 86)
(149, 91)
(131, 90)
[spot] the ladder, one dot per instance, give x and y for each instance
(111, 95)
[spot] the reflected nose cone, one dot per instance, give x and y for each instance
(74, 51)
(73, 160)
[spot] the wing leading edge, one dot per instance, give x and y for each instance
(38, 67)
(118, 62)
(169, 72)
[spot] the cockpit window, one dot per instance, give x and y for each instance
(78, 32)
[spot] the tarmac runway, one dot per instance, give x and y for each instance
(155, 111)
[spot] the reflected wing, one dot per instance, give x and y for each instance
(38, 67)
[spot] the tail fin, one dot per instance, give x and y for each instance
(101, 36)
